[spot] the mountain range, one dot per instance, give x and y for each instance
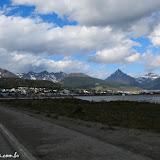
(80, 80)
(148, 81)
(54, 77)
(117, 80)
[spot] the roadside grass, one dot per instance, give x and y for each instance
(138, 115)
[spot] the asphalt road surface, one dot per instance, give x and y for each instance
(6, 149)
(48, 141)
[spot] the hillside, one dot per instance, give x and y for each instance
(154, 85)
(81, 82)
(84, 81)
(7, 74)
(122, 78)
(118, 81)
(76, 75)
(17, 82)
(115, 86)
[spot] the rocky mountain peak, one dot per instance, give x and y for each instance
(118, 72)
(44, 75)
(122, 78)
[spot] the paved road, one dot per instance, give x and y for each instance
(5, 148)
(47, 141)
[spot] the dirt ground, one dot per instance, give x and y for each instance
(63, 138)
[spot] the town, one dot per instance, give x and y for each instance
(45, 92)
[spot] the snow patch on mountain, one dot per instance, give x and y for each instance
(151, 76)
(33, 77)
(20, 75)
(54, 77)
(147, 78)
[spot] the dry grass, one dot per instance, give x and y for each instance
(139, 115)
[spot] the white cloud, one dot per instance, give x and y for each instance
(26, 36)
(143, 27)
(155, 36)
(153, 64)
(96, 12)
(153, 61)
(121, 53)
(32, 35)
(100, 74)
(25, 62)
(6, 10)
(24, 42)
(66, 65)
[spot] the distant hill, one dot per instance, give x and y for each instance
(76, 80)
(54, 77)
(111, 85)
(122, 78)
(148, 80)
(154, 85)
(17, 82)
(117, 81)
(7, 74)
(76, 75)
(80, 80)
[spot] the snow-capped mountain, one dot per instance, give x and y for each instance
(152, 76)
(147, 78)
(54, 77)
(144, 82)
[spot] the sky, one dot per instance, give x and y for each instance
(95, 37)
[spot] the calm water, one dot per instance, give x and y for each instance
(139, 98)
